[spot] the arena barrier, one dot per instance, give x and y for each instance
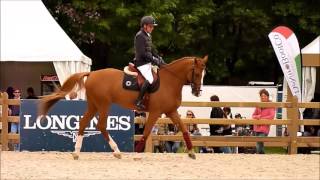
(58, 130)
(292, 141)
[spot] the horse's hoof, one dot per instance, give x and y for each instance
(75, 156)
(117, 155)
(192, 155)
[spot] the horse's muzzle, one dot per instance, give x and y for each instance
(197, 92)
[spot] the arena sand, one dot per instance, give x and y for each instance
(60, 165)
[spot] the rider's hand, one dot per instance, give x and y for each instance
(162, 61)
(156, 61)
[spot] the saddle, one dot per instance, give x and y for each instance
(133, 79)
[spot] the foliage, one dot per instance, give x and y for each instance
(233, 33)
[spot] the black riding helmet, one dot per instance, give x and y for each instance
(148, 20)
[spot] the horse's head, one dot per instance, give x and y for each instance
(195, 76)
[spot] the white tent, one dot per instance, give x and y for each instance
(310, 53)
(30, 34)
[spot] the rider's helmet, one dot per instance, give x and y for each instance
(148, 20)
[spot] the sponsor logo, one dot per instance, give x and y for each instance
(68, 125)
(285, 63)
(128, 83)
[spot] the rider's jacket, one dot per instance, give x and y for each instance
(143, 48)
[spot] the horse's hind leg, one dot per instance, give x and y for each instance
(83, 124)
(102, 127)
(175, 117)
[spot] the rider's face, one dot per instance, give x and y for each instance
(148, 28)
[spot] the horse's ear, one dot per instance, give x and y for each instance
(205, 58)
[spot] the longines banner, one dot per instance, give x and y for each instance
(59, 129)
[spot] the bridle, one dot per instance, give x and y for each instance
(194, 90)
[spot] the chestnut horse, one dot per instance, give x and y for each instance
(104, 87)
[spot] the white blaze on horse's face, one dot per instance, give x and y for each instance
(197, 76)
(203, 74)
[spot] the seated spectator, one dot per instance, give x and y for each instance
(192, 128)
(227, 112)
(172, 146)
(31, 94)
(10, 96)
(15, 111)
(240, 129)
(139, 127)
(159, 146)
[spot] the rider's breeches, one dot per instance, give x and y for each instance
(146, 71)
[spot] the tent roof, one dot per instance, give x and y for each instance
(313, 47)
(30, 33)
(311, 53)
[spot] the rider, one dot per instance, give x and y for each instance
(145, 56)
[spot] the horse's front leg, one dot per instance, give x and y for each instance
(175, 117)
(152, 118)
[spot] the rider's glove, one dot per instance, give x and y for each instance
(156, 61)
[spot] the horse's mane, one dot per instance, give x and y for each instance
(181, 59)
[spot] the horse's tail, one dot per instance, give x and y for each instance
(48, 101)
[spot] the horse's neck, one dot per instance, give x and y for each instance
(176, 73)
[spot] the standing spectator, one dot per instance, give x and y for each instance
(31, 95)
(262, 113)
(215, 130)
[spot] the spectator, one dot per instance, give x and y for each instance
(262, 113)
(215, 130)
(312, 113)
(159, 146)
(238, 116)
(228, 128)
(31, 94)
(139, 127)
(10, 96)
(192, 128)
(172, 146)
(227, 112)
(15, 111)
(10, 92)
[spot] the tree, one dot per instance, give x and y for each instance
(233, 33)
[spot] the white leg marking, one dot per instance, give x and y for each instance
(113, 145)
(78, 145)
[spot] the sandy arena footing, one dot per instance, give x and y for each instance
(60, 165)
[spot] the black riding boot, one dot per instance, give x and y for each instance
(143, 90)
